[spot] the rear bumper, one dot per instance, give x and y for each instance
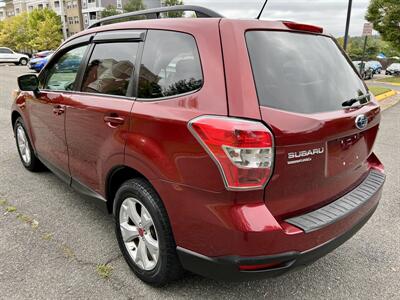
(312, 237)
(227, 268)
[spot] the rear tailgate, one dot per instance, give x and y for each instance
(318, 157)
(302, 82)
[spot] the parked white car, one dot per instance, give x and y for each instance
(7, 55)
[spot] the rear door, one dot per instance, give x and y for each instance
(97, 118)
(322, 142)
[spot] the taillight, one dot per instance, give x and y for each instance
(243, 150)
(303, 27)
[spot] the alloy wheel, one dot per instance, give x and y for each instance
(139, 234)
(23, 145)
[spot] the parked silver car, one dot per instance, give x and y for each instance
(8, 55)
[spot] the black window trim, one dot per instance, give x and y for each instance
(89, 40)
(132, 87)
(172, 96)
(121, 35)
(73, 44)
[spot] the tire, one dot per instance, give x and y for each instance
(135, 201)
(23, 61)
(28, 157)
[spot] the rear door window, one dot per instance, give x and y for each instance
(301, 73)
(110, 68)
(170, 65)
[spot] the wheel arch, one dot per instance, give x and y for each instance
(115, 178)
(14, 116)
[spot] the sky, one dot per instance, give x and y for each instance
(329, 14)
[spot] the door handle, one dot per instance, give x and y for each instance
(114, 121)
(58, 109)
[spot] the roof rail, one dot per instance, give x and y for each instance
(154, 13)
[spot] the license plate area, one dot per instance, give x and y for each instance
(346, 153)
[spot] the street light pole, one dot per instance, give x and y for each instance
(346, 35)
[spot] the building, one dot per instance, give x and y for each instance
(9, 8)
(91, 9)
(2, 10)
(68, 10)
(19, 6)
(36, 4)
(73, 16)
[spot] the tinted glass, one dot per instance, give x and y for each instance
(301, 72)
(110, 68)
(5, 51)
(62, 74)
(170, 65)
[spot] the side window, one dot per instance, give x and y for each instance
(5, 51)
(62, 74)
(110, 68)
(170, 65)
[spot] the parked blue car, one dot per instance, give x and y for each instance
(38, 63)
(375, 66)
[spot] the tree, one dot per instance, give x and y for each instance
(375, 45)
(174, 14)
(134, 5)
(45, 29)
(109, 11)
(385, 17)
(356, 47)
(14, 32)
(38, 30)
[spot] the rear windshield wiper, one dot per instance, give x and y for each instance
(359, 99)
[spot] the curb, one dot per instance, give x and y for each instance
(385, 107)
(388, 83)
(386, 95)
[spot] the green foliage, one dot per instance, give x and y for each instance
(38, 30)
(385, 17)
(378, 90)
(104, 270)
(134, 5)
(45, 29)
(177, 14)
(109, 11)
(14, 32)
(356, 47)
(375, 45)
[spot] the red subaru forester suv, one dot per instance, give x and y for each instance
(234, 149)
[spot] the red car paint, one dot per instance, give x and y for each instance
(152, 138)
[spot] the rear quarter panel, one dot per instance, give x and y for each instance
(159, 144)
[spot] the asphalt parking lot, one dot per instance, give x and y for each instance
(52, 239)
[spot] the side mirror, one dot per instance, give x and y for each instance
(28, 82)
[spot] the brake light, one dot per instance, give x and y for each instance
(303, 27)
(243, 150)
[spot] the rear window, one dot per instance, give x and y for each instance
(170, 65)
(301, 73)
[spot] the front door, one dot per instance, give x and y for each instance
(48, 110)
(97, 119)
